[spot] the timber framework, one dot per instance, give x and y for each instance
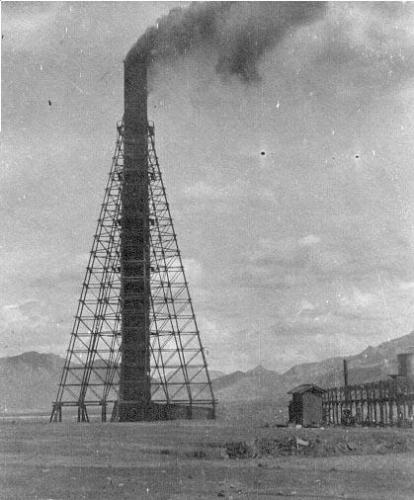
(388, 402)
(135, 351)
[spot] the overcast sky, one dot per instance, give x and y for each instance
(294, 255)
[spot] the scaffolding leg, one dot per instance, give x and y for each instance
(103, 412)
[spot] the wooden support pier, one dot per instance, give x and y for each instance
(386, 402)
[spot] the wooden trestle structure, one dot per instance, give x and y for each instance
(106, 367)
(385, 402)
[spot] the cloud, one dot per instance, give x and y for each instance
(336, 223)
(27, 314)
(309, 240)
(306, 306)
(357, 299)
(194, 271)
(371, 48)
(270, 241)
(204, 192)
(406, 285)
(26, 25)
(29, 325)
(38, 316)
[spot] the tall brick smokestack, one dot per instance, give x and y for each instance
(135, 390)
(239, 33)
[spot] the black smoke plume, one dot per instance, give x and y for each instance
(240, 32)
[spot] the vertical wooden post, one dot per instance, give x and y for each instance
(336, 406)
(103, 411)
(391, 403)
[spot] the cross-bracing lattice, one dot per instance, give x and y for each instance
(179, 373)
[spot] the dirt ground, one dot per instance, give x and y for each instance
(190, 460)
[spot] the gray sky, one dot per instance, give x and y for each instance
(295, 255)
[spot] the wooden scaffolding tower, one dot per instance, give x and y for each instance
(179, 377)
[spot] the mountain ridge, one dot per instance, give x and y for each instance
(30, 380)
(373, 363)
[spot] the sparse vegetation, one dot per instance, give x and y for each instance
(202, 460)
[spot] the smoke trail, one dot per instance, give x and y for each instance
(240, 32)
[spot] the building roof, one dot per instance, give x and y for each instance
(301, 389)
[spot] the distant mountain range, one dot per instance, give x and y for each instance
(374, 363)
(29, 381)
